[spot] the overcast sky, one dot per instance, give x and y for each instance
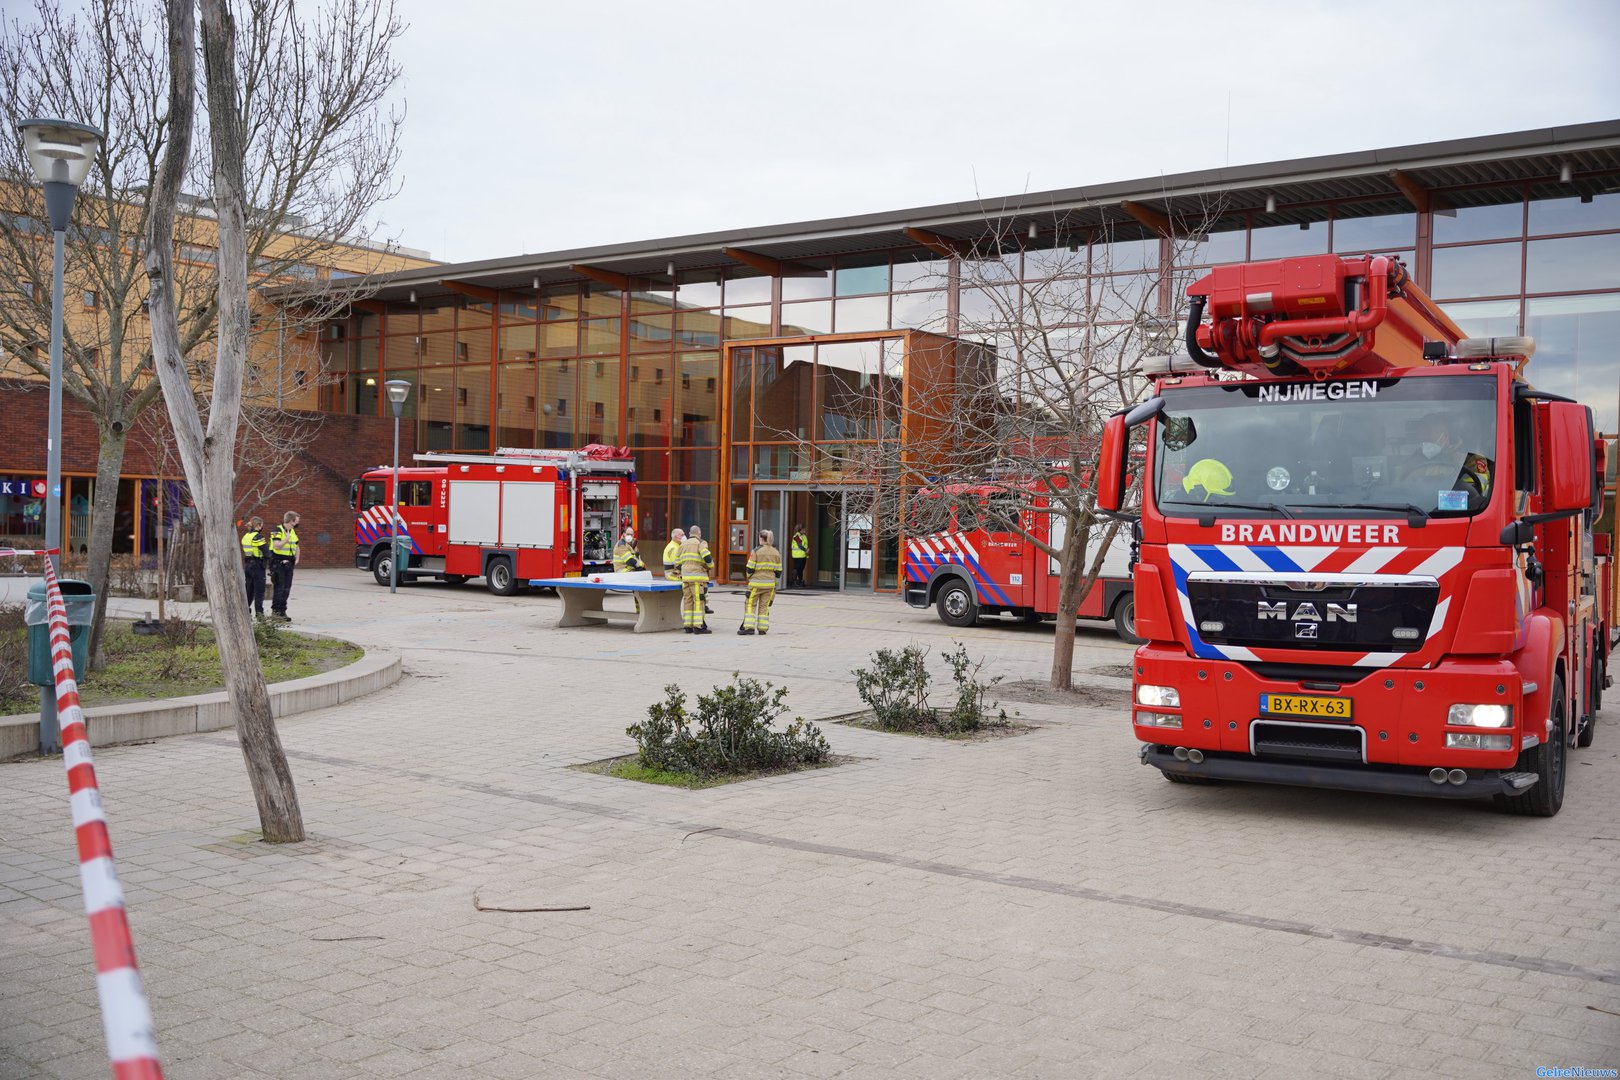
(537, 126)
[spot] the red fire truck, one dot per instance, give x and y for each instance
(974, 567)
(506, 517)
(1366, 559)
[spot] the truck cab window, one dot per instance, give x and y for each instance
(372, 493)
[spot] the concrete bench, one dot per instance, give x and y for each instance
(582, 597)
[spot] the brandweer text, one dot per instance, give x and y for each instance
(1303, 533)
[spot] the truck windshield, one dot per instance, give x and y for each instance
(1357, 448)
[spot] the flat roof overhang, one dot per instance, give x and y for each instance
(1429, 176)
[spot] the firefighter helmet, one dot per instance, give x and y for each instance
(1211, 475)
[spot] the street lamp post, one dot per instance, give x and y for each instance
(61, 153)
(398, 391)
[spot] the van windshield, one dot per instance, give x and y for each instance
(1352, 448)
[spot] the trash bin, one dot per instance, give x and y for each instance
(402, 554)
(81, 608)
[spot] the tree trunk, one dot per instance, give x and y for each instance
(103, 520)
(279, 815)
(1071, 573)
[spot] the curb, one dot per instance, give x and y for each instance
(110, 725)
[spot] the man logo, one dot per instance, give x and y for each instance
(1307, 612)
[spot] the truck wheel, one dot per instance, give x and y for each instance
(1125, 620)
(1589, 729)
(382, 560)
(501, 580)
(956, 606)
(1547, 762)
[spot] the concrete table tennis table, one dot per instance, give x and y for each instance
(660, 600)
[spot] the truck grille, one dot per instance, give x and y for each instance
(1306, 742)
(1352, 616)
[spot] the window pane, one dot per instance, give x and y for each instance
(1575, 262)
(598, 419)
(472, 347)
(814, 317)
(473, 315)
(983, 309)
(847, 388)
(1217, 247)
(748, 322)
(436, 395)
(1486, 318)
(560, 304)
(472, 408)
(742, 368)
(697, 329)
(559, 339)
(694, 466)
(811, 287)
(518, 307)
(1285, 241)
(647, 406)
(600, 337)
(651, 332)
(1479, 223)
(868, 313)
(437, 348)
(438, 315)
(1486, 270)
(1578, 350)
(781, 463)
(748, 290)
(1572, 215)
(1124, 255)
(782, 378)
(557, 405)
(698, 294)
(365, 394)
(693, 504)
(923, 310)
(1378, 233)
(697, 397)
(517, 342)
(926, 272)
(517, 406)
(862, 280)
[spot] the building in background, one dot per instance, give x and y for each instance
(723, 360)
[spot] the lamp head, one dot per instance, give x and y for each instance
(60, 150)
(398, 391)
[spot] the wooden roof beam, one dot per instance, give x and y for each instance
(1148, 217)
(477, 292)
(939, 245)
(767, 265)
(610, 278)
(1422, 199)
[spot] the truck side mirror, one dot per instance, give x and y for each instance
(1572, 476)
(1111, 481)
(354, 494)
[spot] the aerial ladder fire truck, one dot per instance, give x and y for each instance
(1365, 556)
(508, 517)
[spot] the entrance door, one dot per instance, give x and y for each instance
(826, 535)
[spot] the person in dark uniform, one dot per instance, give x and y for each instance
(283, 560)
(254, 542)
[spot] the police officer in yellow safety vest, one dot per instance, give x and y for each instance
(799, 548)
(253, 544)
(283, 558)
(764, 569)
(695, 561)
(672, 555)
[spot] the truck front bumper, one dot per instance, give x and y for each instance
(1384, 781)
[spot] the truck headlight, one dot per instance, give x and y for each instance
(1159, 697)
(1468, 740)
(1155, 719)
(1492, 716)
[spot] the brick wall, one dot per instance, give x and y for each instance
(342, 448)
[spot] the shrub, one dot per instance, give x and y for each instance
(16, 692)
(969, 713)
(728, 732)
(895, 688)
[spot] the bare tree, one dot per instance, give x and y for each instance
(1048, 343)
(319, 146)
(342, 64)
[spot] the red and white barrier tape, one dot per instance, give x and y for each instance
(126, 1018)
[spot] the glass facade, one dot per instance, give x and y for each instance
(744, 394)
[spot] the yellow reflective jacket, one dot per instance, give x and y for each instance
(764, 565)
(672, 558)
(253, 544)
(284, 541)
(626, 558)
(695, 560)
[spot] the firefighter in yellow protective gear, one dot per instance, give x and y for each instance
(672, 556)
(764, 571)
(695, 562)
(627, 558)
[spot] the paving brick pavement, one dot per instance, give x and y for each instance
(1038, 906)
